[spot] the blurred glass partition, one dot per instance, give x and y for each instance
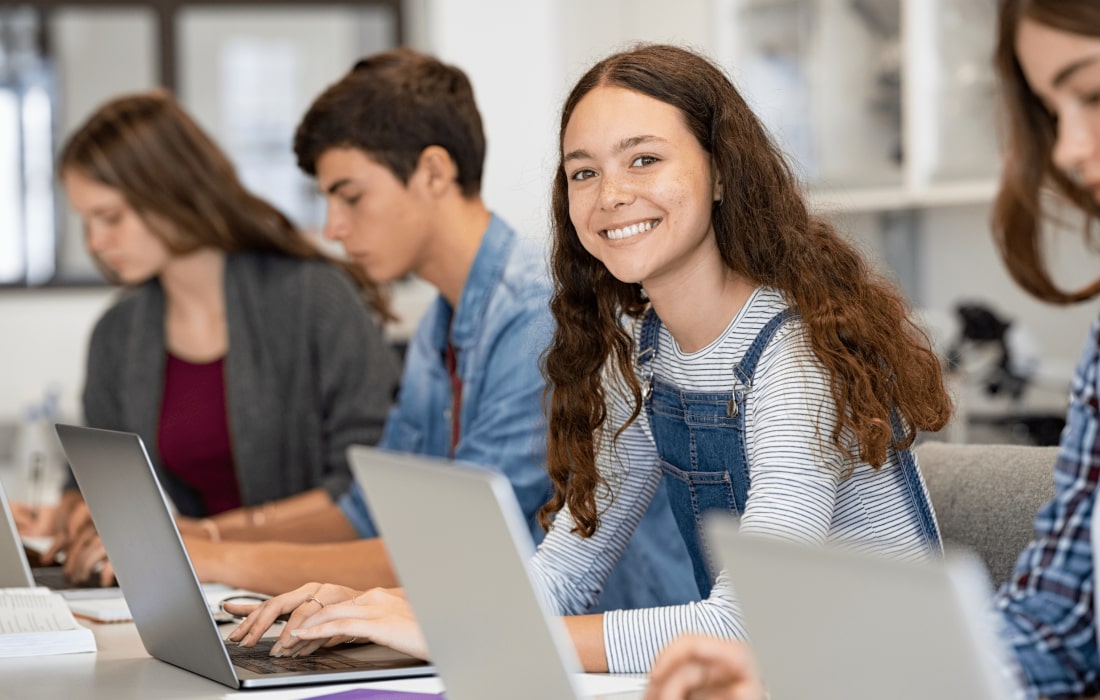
(965, 92)
(246, 69)
(28, 99)
(99, 52)
(248, 73)
(825, 77)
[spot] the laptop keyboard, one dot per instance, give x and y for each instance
(258, 659)
(53, 577)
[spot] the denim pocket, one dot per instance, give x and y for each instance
(697, 492)
(690, 495)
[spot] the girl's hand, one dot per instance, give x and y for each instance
(705, 668)
(295, 607)
(381, 615)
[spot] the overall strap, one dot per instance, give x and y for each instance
(647, 350)
(917, 492)
(743, 373)
(745, 369)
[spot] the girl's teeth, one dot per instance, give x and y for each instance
(628, 231)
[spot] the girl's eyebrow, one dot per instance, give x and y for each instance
(1068, 71)
(627, 143)
(335, 187)
(578, 154)
(103, 209)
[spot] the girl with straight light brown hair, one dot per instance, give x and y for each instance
(245, 358)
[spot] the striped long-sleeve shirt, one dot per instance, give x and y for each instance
(802, 487)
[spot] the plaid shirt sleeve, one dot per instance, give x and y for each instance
(1047, 607)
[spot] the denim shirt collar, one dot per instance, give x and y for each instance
(489, 263)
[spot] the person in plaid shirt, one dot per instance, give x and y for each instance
(1048, 59)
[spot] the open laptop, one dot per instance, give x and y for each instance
(461, 548)
(831, 624)
(16, 570)
(169, 608)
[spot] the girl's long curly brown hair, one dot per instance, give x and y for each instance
(858, 323)
(168, 169)
(1031, 131)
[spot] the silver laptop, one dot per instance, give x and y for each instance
(461, 548)
(16, 570)
(169, 608)
(830, 624)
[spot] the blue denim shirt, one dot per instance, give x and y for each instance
(500, 330)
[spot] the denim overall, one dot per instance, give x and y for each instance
(700, 439)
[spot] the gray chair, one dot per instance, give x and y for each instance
(986, 496)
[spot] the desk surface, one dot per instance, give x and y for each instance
(121, 669)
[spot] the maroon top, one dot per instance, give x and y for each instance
(193, 433)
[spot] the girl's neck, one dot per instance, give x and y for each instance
(194, 283)
(696, 308)
(194, 308)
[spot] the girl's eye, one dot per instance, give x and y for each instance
(352, 201)
(582, 174)
(642, 161)
(1091, 99)
(112, 219)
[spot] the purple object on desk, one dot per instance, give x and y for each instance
(369, 694)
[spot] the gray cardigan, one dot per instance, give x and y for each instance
(307, 374)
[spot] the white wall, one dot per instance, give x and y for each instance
(511, 54)
(44, 336)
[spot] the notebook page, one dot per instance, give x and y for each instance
(25, 610)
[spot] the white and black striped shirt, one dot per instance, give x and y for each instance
(802, 487)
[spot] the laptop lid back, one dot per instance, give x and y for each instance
(837, 625)
(134, 521)
(461, 549)
(15, 570)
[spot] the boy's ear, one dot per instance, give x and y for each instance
(437, 169)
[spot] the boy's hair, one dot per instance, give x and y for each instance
(392, 106)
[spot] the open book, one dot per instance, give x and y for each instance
(36, 621)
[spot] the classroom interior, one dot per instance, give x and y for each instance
(886, 108)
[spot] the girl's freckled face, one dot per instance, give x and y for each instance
(640, 185)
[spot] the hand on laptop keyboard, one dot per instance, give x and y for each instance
(325, 615)
(293, 607)
(78, 546)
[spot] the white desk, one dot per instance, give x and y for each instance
(121, 670)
